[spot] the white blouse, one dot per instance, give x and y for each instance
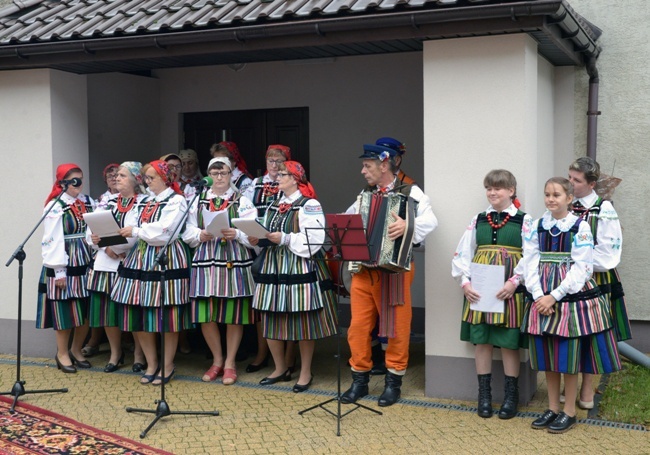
(159, 232)
(582, 249)
(609, 235)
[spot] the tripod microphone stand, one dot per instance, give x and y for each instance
(18, 389)
(354, 248)
(162, 408)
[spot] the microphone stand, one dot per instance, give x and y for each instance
(336, 236)
(18, 389)
(162, 408)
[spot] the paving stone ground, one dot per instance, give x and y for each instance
(265, 420)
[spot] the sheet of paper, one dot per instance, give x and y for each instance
(487, 280)
(216, 221)
(102, 223)
(103, 263)
(250, 227)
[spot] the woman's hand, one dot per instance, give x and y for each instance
(470, 294)
(507, 291)
(95, 239)
(126, 231)
(60, 283)
(229, 234)
(110, 253)
(205, 236)
(253, 240)
(544, 305)
(275, 237)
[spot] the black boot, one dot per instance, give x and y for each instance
(378, 360)
(485, 395)
(358, 389)
(510, 399)
(392, 390)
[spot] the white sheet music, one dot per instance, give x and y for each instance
(216, 221)
(250, 227)
(487, 280)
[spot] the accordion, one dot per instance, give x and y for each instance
(377, 211)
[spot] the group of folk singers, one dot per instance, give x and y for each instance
(562, 297)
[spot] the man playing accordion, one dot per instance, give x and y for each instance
(383, 286)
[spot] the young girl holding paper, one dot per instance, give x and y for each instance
(494, 237)
(221, 284)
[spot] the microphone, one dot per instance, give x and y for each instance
(76, 182)
(205, 181)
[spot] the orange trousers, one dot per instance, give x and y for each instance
(365, 304)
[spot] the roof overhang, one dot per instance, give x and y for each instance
(563, 37)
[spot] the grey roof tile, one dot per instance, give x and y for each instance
(287, 8)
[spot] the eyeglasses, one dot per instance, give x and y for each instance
(283, 174)
(219, 174)
(111, 175)
(175, 167)
(276, 162)
(148, 178)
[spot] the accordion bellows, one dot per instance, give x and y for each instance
(377, 211)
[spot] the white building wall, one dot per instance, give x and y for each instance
(487, 101)
(44, 124)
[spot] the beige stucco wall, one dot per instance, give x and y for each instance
(623, 130)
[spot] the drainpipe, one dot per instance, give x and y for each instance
(592, 108)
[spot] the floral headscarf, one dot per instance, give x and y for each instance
(166, 174)
(61, 171)
(236, 157)
(135, 168)
(295, 168)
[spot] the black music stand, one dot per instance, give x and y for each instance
(346, 236)
(19, 386)
(162, 408)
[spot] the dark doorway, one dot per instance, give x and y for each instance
(252, 131)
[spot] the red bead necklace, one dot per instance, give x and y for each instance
(125, 208)
(270, 189)
(148, 211)
(78, 209)
(284, 208)
(220, 204)
(501, 224)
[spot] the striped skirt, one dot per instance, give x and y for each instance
(594, 354)
(103, 311)
(138, 281)
(133, 318)
(61, 314)
(610, 286)
(222, 310)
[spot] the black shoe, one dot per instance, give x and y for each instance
(79, 363)
(252, 368)
(511, 398)
(544, 421)
(110, 367)
(286, 376)
(358, 389)
(485, 396)
(562, 423)
(64, 368)
(298, 388)
(139, 367)
(392, 390)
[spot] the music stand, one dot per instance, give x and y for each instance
(346, 236)
(19, 386)
(162, 408)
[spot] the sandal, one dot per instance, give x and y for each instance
(149, 378)
(213, 373)
(229, 376)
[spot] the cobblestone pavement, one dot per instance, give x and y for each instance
(265, 420)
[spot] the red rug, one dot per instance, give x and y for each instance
(32, 430)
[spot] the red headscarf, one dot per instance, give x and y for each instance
(108, 168)
(295, 168)
(236, 157)
(283, 148)
(61, 171)
(166, 174)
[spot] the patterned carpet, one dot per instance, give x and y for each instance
(32, 430)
